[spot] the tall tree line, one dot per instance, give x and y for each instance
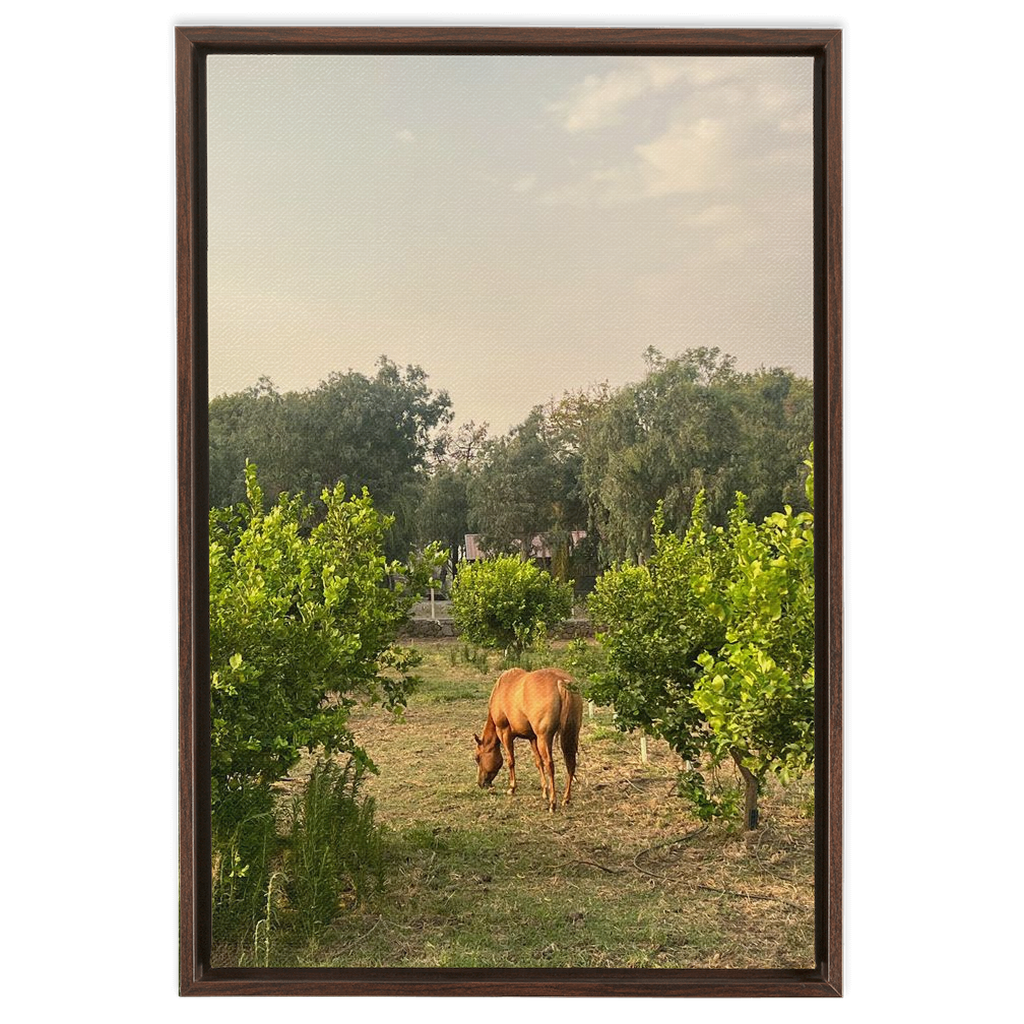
(377, 432)
(597, 460)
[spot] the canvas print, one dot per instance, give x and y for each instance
(511, 510)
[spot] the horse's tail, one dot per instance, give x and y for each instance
(570, 721)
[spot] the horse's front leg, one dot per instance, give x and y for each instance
(508, 742)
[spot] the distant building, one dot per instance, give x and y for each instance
(539, 550)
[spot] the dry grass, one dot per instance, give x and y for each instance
(622, 877)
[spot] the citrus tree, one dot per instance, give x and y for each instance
(710, 645)
(507, 603)
(756, 692)
(653, 624)
(302, 627)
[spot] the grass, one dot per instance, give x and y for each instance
(622, 877)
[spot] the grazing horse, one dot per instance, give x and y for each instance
(534, 706)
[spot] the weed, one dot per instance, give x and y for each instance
(807, 806)
(244, 845)
(334, 845)
(264, 927)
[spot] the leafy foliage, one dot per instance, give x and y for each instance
(693, 423)
(597, 460)
(302, 626)
(710, 644)
(525, 486)
(374, 431)
(654, 625)
(443, 514)
(507, 603)
(756, 692)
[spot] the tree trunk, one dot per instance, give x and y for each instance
(751, 791)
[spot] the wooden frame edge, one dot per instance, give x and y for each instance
(195, 978)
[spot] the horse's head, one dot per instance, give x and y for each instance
(488, 759)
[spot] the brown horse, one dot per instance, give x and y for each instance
(534, 706)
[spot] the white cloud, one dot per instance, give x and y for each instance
(729, 230)
(718, 213)
(606, 186)
(599, 100)
(727, 128)
(689, 157)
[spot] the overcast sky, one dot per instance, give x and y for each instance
(517, 226)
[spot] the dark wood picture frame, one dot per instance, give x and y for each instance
(195, 974)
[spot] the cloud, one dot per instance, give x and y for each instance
(729, 230)
(724, 129)
(689, 157)
(599, 100)
(606, 186)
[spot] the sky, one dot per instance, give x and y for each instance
(517, 226)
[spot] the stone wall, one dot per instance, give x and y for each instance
(427, 629)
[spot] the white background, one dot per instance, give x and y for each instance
(933, 565)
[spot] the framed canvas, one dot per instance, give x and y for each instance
(425, 270)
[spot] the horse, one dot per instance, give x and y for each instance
(535, 706)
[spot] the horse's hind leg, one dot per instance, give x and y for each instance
(548, 760)
(540, 766)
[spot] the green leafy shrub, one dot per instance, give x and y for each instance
(303, 620)
(756, 692)
(302, 627)
(653, 625)
(334, 846)
(710, 645)
(584, 661)
(508, 604)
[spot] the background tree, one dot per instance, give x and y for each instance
(526, 485)
(258, 424)
(692, 423)
(443, 513)
(375, 432)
